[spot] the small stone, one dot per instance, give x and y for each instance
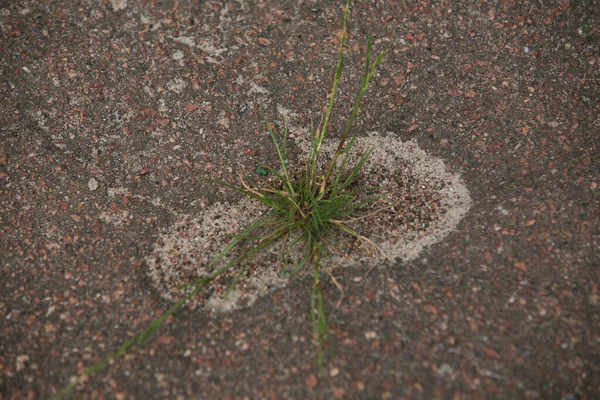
(176, 85)
(311, 381)
(521, 266)
(263, 41)
(22, 361)
(93, 184)
(224, 122)
(493, 354)
(339, 393)
(165, 339)
(445, 369)
(370, 335)
(334, 371)
(119, 4)
(178, 55)
(191, 107)
(470, 94)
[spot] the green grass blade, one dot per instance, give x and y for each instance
(303, 262)
(336, 81)
(368, 56)
(233, 187)
(138, 340)
(319, 320)
(236, 280)
(370, 72)
(264, 243)
(355, 171)
(346, 152)
(286, 133)
(287, 181)
(236, 239)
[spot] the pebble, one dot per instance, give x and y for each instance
(22, 361)
(178, 55)
(445, 369)
(370, 335)
(93, 184)
(311, 381)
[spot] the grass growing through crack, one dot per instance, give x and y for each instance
(306, 209)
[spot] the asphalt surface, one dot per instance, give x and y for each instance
(112, 113)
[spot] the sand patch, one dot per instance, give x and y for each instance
(424, 204)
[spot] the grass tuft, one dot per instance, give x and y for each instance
(307, 208)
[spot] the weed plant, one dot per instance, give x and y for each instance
(306, 209)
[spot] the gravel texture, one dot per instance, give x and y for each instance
(114, 113)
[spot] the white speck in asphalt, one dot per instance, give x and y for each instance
(93, 184)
